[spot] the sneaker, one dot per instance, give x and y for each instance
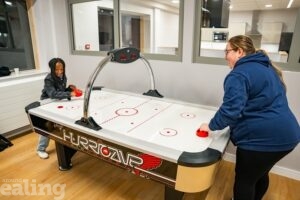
(43, 154)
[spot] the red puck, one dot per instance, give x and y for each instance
(78, 93)
(59, 106)
(202, 133)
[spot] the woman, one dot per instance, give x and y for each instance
(255, 107)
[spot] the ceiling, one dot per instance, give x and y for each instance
(260, 4)
(238, 5)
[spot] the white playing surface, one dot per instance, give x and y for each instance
(160, 121)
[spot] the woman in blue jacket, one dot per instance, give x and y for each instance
(55, 87)
(255, 107)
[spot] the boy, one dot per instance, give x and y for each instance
(54, 88)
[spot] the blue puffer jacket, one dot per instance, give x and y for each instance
(255, 107)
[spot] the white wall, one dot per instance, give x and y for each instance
(199, 83)
(287, 17)
(240, 16)
(166, 23)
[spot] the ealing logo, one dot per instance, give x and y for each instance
(21, 187)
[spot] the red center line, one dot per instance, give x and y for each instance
(149, 118)
(142, 103)
(112, 103)
(109, 119)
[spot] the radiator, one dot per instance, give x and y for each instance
(16, 93)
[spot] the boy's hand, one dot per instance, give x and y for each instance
(72, 87)
(75, 92)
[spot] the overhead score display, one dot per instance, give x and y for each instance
(124, 55)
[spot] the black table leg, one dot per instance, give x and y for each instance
(64, 156)
(172, 194)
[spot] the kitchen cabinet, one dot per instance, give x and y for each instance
(219, 13)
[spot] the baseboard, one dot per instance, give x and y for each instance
(18, 132)
(282, 171)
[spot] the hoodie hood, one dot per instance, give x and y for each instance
(256, 57)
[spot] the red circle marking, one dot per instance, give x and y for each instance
(168, 132)
(126, 111)
(188, 115)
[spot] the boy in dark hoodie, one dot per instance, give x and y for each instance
(55, 88)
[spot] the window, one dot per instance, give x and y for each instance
(93, 26)
(274, 29)
(153, 27)
(15, 40)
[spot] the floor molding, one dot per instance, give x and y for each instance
(282, 171)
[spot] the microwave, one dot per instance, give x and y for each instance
(220, 36)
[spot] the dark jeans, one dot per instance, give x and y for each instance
(251, 173)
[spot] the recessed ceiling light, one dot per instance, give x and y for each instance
(268, 5)
(175, 1)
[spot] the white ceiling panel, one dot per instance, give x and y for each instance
(260, 4)
(248, 4)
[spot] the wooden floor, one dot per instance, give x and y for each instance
(21, 170)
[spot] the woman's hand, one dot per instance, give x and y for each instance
(204, 127)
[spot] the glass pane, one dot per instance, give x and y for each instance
(16, 31)
(15, 39)
(93, 25)
(106, 28)
(271, 28)
(151, 26)
(11, 33)
(3, 31)
(5, 12)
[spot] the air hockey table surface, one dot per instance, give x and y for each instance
(161, 127)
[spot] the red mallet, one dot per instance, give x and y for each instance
(78, 92)
(202, 133)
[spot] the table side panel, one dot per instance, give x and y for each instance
(138, 163)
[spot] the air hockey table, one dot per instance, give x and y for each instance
(148, 135)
